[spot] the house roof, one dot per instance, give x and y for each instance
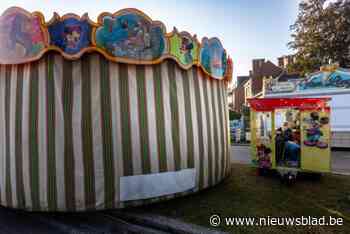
(267, 69)
(241, 80)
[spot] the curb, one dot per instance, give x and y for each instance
(244, 144)
(163, 223)
(341, 173)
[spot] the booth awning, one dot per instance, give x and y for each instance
(269, 104)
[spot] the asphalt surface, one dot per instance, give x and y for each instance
(20, 222)
(101, 222)
(340, 158)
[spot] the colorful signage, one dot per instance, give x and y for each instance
(281, 87)
(335, 79)
(127, 36)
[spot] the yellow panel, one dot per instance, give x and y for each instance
(315, 141)
(262, 140)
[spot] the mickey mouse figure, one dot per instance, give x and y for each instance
(314, 133)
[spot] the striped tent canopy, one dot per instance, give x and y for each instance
(91, 133)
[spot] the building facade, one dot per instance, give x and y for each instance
(254, 84)
(239, 93)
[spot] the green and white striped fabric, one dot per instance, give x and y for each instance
(71, 129)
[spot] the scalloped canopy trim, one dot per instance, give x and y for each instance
(126, 36)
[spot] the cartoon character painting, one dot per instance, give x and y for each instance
(125, 36)
(21, 36)
(314, 132)
(132, 36)
(213, 57)
(71, 34)
(338, 78)
(186, 49)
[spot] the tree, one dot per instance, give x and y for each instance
(321, 35)
(234, 115)
(246, 117)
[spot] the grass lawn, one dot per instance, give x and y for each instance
(246, 194)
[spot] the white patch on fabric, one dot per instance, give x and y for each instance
(155, 185)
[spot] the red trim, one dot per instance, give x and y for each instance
(270, 104)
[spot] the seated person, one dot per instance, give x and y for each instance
(292, 154)
(287, 143)
(292, 148)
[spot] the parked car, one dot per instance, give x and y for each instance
(235, 130)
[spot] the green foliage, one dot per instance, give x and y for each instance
(246, 111)
(234, 115)
(303, 65)
(320, 35)
(246, 117)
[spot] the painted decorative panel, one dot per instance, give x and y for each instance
(315, 140)
(70, 33)
(22, 36)
(127, 36)
(131, 35)
(184, 47)
(339, 78)
(334, 79)
(213, 57)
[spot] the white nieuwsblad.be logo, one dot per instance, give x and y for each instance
(283, 221)
(215, 220)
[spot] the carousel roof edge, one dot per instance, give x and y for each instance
(126, 36)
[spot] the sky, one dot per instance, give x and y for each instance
(248, 29)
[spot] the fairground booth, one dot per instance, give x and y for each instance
(291, 134)
(108, 114)
(330, 81)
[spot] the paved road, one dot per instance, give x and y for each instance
(18, 222)
(107, 222)
(340, 159)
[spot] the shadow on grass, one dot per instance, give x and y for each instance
(245, 194)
